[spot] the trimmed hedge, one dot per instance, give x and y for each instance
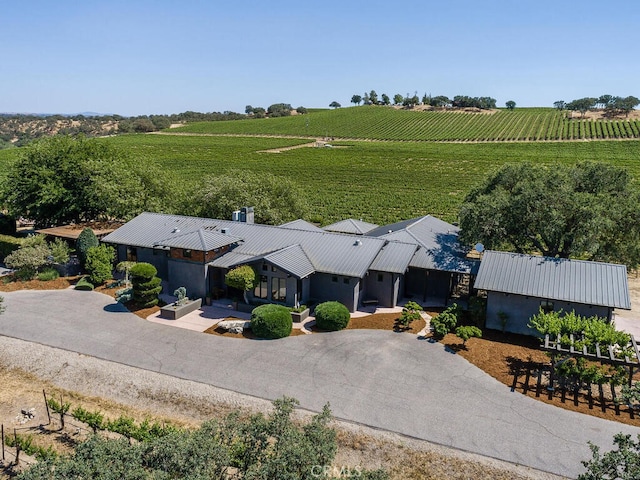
(332, 316)
(271, 321)
(146, 286)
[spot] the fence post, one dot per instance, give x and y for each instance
(46, 404)
(15, 438)
(2, 435)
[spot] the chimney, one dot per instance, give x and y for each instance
(235, 216)
(246, 215)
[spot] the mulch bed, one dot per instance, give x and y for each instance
(8, 284)
(247, 333)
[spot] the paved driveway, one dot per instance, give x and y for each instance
(381, 379)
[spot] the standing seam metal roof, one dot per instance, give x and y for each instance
(575, 281)
(352, 226)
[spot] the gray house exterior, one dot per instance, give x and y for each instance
(299, 262)
(518, 286)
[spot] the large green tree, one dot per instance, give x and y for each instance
(276, 199)
(587, 210)
(60, 180)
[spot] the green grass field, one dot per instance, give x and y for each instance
(385, 123)
(380, 182)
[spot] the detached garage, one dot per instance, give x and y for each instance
(518, 286)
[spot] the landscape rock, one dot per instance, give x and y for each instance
(234, 326)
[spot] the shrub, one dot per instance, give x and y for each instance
(59, 251)
(146, 286)
(466, 332)
(29, 258)
(410, 313)
(48, 274)
(446, 321)
(271, 321)
(85, 241)
(98, 263)
(84, 284)
(124, 295)
(332, 316)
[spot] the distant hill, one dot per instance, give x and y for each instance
(464, 125)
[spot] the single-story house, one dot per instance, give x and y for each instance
(518, 286)
(299, 262)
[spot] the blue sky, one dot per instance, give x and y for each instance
(148, 57)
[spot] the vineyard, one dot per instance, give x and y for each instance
(379, 182)
(384, 123)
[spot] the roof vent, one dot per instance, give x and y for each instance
(175, 230)
(224, 230)
(357, 243)
(390, 231)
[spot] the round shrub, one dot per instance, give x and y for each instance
(332, 316)
(271, 321)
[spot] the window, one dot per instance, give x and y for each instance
(262, 289)
(381, 277)
(546, 306)
(345, 280)
(334, 279)
(274, 269)
(278, 289)
(132, 254)
(186, 253)
(265, 267)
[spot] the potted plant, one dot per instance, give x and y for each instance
(299, 313)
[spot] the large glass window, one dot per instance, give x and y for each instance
(279, 289)
(262, 289)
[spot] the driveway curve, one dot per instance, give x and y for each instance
(381, 379)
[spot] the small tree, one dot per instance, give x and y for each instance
(410, 313)
(385, 99)
(243, 278)
(446, 321)
(468, 331)
(398, 99)
(356, 99)
(99, 263)
(301, 110)
(146, 286)
(335, 104)
(85, 241)
(510, 105)
(126, 268)
(59, 251)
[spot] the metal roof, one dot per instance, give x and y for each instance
(394, 257)
(203, 240)
(354, 227)
(230, 259)
(300, 224)
(290, 259)
(328, 252)
(438, 239)
(575, 281)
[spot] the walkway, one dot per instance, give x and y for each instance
(381, 379)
